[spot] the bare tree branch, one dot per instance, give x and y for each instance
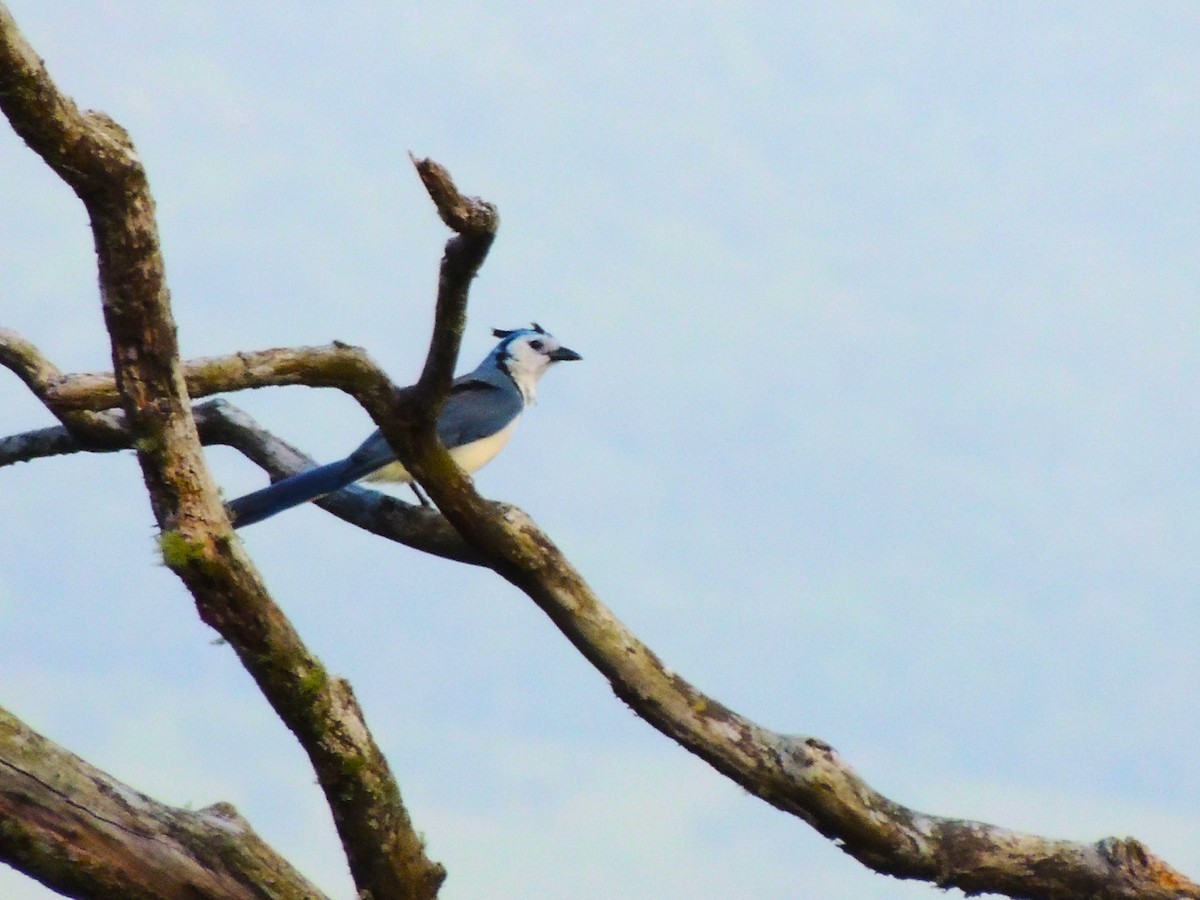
(82, 833)
(97, 159)
(44, 442)
(221, 423)
(337, 366)
(97, 431)
(419, 527)
(801, 775)
(474, 222)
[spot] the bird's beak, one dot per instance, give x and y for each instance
(564, 354)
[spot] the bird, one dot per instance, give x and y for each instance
(477, 419)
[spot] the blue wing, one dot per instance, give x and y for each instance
(476, 408)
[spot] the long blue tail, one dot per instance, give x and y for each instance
(292, 491)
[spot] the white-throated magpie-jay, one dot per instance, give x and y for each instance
(477, 420)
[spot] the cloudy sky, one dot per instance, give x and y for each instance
(886, 429)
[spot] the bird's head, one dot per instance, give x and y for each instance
(526, 353)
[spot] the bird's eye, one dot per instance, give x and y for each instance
(536, 344)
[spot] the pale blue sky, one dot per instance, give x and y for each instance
(886, 430)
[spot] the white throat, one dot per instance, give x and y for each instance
(526, 382)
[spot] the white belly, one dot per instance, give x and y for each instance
(470, 457)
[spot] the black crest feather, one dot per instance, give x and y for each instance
(501, 333)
